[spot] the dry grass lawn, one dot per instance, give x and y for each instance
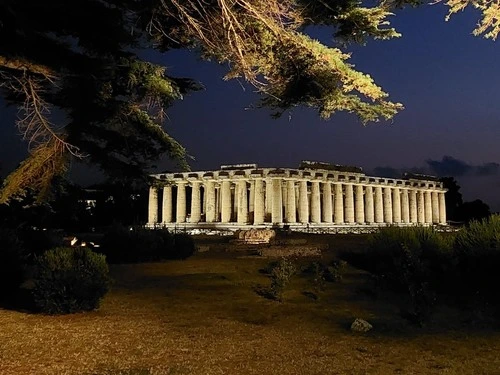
(202, 316)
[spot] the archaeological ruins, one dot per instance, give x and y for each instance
(316, 196)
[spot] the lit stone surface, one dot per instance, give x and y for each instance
(420, 207)
(242, 197)
(396, 205)
(405, 207)
(379, 205)
(435, 207)
(442, 209)
(303, 203)
(359, 204)
(277, 214)
(339, 204)
(369, 205)
(167, 204)
(314, 198)
(226, 202)
(210, 210)
(428, 207)
(153, 205)
(315, 203)
(327, 203)
(388, 205)
(181, 202)
(195, 203)
(290, 209)
(258, 217)
(413, 206)
(349, 204)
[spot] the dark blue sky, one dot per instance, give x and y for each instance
(447, 79)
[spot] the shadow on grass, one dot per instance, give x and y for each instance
(20, 300)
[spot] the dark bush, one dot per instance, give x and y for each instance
(477, 250)
(12, 263)
(36, 242)
(122, 245)
(183, 248)
(388, 250)
(281, 274)
(69, 280)
(413, 260)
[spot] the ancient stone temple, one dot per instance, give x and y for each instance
(316, 195)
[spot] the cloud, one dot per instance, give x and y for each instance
(449, 166)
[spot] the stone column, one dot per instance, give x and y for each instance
(396, 205)
(303, 203)
(387, 205)
(359, 204)
(195, 202)
(435, 207)
(420, 207)
(405, 206)
(428, 207)
(251, 199)
(315, 203)
(269, 200)
(327, 203)
(181, 202)
(284, 196)
(442, 208)
(290, 209)
(413, 207)
(379, 205)
(226, 201)
(259, 204)
(153, 206)
(277, 214)
(338, 204)
(369, 208)
(242, 197)
(349, 204)
(210, 199)
(166, 207)
(217, 202)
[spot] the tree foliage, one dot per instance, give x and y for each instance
(74, 70)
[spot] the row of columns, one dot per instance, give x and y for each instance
(278, 200)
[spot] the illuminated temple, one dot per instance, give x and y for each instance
(316, 195)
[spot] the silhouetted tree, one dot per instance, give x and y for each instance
(453, 198)
(475, 210)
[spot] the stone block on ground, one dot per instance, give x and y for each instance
(361, 326)
(255, 236)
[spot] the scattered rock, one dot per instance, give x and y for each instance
(360, 325)
(203, 248)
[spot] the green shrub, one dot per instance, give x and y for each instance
(280, 275)
(335, 271)
(414, 260)
(387, 249)
(69, 280)
(477, 249)
(12, 263)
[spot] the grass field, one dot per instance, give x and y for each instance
(203, 316)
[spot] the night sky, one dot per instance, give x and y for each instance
(447, 79)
